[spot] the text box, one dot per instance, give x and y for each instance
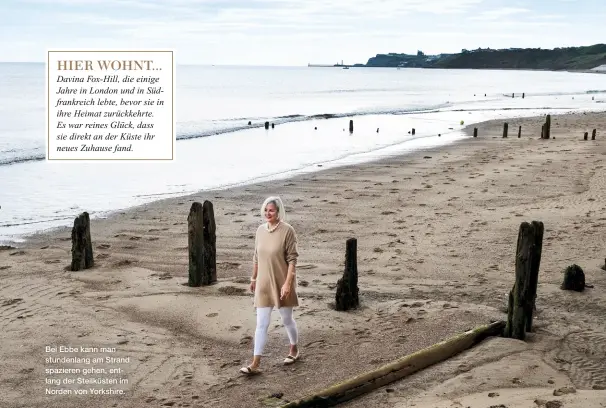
(110, 105)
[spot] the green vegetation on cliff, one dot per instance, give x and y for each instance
(573, 58)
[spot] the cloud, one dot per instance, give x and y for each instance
(497, 14)
(287, 32)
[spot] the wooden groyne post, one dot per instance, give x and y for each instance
(593, 134)
(266, 125)
(475, 132)
(202, 244)
(520, 132)
(585, 136)
(547, 131)
(347, 286)
(82, 246)
(574, 278)
(522, 297)
(523, 95)
(351, 126)
(505, 128)
(413, 131)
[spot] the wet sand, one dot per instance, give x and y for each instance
(436, 237)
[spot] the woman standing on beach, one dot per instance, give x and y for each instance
(274, 279)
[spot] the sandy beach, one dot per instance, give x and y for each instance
(436, 235)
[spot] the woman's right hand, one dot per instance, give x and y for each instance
(253, 286)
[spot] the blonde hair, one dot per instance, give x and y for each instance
(279, 207)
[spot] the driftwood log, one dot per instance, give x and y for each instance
(523, 295)
(82, 246)
(398, 369)
(347, 286)
(202, 244)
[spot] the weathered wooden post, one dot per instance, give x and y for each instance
(537, 251)
(202, 244)
(586, 135)
(593, 134)
(543, 131)
(209, 274)
(82, 246)
(523, 94)
(266, 125)
(195, 243)
(513, 95)
(505, 127)
(520, 132)
(522, 296)
(347, 286)
(475, 132)
(548, 127)
(574, 278)
(249, 123)
(413, 131)
(272, 125)
(351, 126)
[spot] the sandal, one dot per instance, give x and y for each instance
(250, 371)
(291, 359)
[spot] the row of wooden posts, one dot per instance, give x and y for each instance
(202, 249)
(545, 130)
(351, 127)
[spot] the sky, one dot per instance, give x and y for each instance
(294, 32)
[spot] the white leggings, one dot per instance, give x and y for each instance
(263, 319)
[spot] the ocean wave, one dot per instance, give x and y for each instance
(21, 159)
(6, 158)
(258, 122)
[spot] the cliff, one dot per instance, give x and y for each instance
(573, 58)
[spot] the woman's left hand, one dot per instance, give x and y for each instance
(285, 291)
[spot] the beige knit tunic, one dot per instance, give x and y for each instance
(273, 252)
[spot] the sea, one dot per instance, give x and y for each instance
(216, 147)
